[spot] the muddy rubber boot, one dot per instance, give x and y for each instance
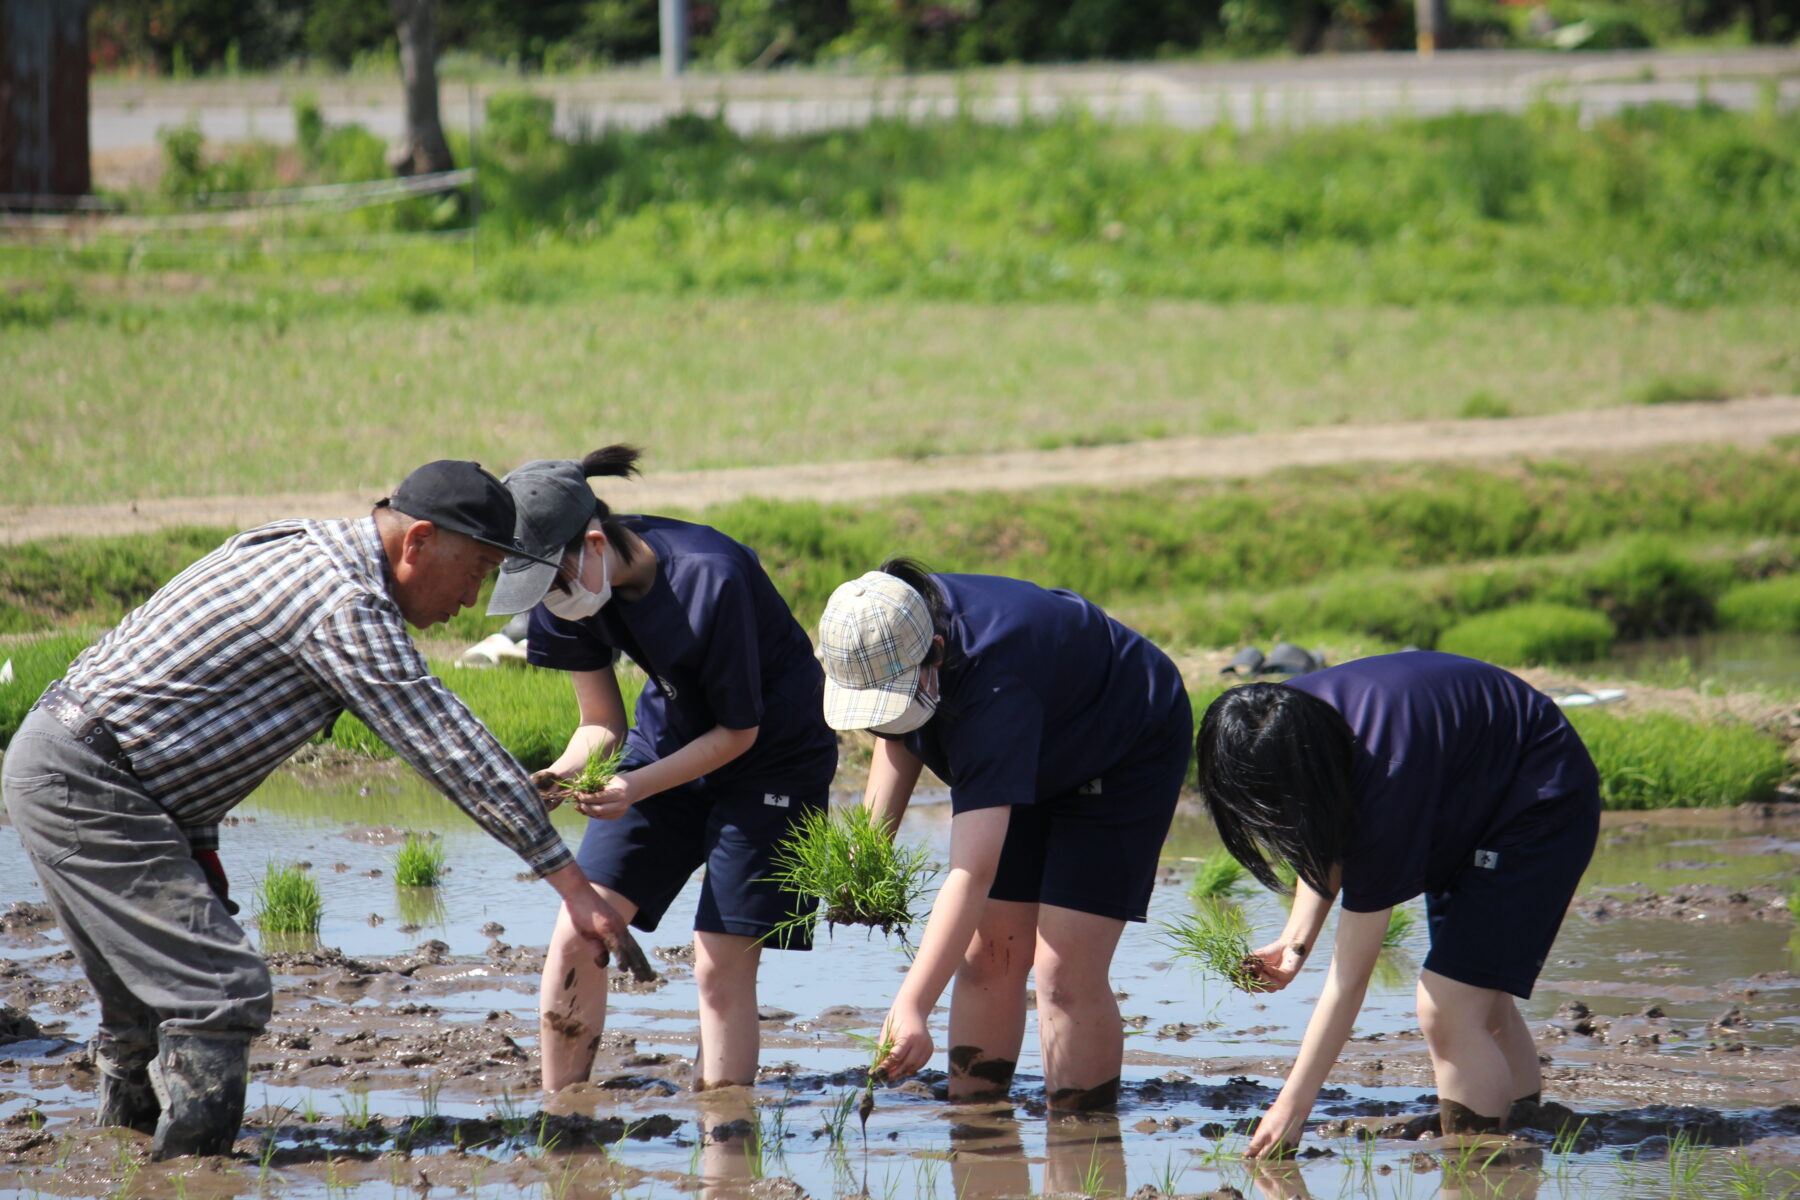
(126, 1098)
(199, 1078)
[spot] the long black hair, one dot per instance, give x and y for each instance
(917, 576)
(619, 461)
(1275, 774)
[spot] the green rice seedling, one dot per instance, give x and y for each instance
(1093, 1177)
(851, 862)
(596, 773)
(356, 1110)
(1217, 938)
(1400, 926)
(837, 1117)
(419, 863)
(879, 1047)
(1218, 876)
(1659, 760)
(288, 901)
(1686, 1162)
(1168, 1180)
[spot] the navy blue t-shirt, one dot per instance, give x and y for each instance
(1039, 693)
(720, 647)
(1449, 750)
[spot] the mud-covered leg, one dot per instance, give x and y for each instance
(1078, 1016)
(1474, 1075)
(987, 1009)
(572, 1000)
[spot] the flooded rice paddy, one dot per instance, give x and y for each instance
(402, 1058)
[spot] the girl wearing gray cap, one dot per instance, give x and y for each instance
(1064, 737)
(728, 751)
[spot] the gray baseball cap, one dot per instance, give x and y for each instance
(554, 504)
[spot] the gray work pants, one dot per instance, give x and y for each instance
(158, 947)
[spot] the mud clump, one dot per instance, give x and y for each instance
(1696, 902)
(17, 1025)
(26, 917)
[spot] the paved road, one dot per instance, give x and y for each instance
(1583, 434)
(1193, 95)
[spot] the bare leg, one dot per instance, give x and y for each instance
(987, 1009)
(1474, 1076)
(572, 1000)
(725, 973)
(1078, 1017)
(1515, 1040)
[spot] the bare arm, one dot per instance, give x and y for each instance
(1352, 962)
(1277, 963)
(601, 725)
(708, 752)
(975, 841)
(893, 773)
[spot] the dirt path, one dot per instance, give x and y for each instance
(1596, 431)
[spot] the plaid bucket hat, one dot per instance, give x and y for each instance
(875, 633)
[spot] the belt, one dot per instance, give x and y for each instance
(64, 703)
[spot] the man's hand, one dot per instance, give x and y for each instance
(601, 924)
(549, 786)
(215, 878)
(611, 801)
(1275, 965)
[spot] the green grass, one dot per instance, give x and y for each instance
(35, 663)
(1216, 939)
(181, 406)
(287, 901)
(855, 867)
(419, 862)
(1763, 606)
(1658, 760)
(1219, 875)
(1530, 635)
(1401, 922)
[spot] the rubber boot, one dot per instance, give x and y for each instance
(199, 1078)
(126, 1098)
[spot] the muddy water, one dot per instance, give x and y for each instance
(402, 1058)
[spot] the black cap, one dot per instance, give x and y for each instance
(460, 497)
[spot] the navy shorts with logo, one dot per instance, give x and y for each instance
(1493, 926)
(648, 854)
(1095, 849)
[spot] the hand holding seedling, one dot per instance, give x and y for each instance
(1274, 966)
(610, 802)
(908, 1043)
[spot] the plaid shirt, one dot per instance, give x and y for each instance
(235, 663)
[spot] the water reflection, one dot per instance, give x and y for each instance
(422, 907)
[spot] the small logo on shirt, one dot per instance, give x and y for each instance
(1090, 788)
(668, 689)
(774, 801)
(1487, 860)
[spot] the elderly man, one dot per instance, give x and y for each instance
(117, 779)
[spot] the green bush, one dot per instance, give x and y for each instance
(1657, 760)
(1649, 590)
(1765, 606)
(1530, 635)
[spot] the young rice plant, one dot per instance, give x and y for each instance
(601, 766)
(288, 901)
(1219, 875)
(1217, 938)
(850, 862)
(420, 862)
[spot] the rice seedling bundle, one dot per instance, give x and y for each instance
(851, 863)
(1217, 939)
(288, 901)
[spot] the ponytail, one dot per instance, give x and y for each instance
(619, 461)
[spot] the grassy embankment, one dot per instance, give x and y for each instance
(856, 294)
(1370, 559)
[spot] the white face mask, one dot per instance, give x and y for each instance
(924, 704)
(578, 603)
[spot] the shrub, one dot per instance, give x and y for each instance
(420, 862)
(1531, 634)
(1658, 760)
(1651, 591)
(288, 901)
(1766, 606)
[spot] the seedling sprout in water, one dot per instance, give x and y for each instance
(849, 861)
(1218, 939)
(879, 1048)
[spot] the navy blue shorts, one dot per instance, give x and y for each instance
(1494, 924)
(1095, 849)
(648, 854)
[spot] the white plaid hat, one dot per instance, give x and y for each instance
(874, 635)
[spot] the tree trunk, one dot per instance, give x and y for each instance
(422, 149)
